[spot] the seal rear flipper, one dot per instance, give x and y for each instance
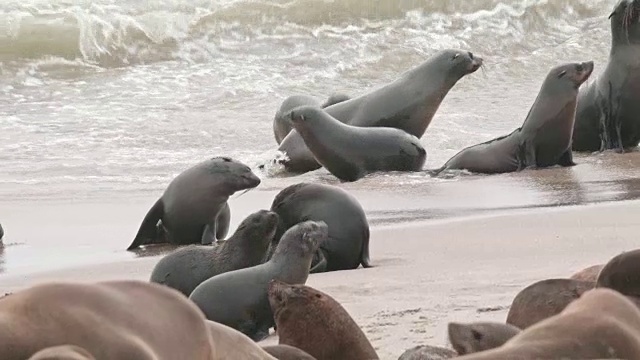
(321, 262)
(209, 234)
(566, 160)
(435, 172)
(147, 233)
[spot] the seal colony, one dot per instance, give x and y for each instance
(217, 299)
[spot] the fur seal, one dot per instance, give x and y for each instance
(602, 324)
(427, 352)
(543, 140)
(588, 274)
(317, 324)
(409, 103)
(351, 152)
(544, 299)
(238, 298)
(282, 127)
(348, 244)
(188, 267)
(622, 273)
(111, 320)
(480, 336)
(63, 352)
(607, 113)
(286, 352)
(232, 344)
(191, 204)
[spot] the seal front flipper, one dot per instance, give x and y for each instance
(566, 159)
(147, 234)
(253, 330)
(209, 234)
(222, 222)
(364, 258)
(320, 260)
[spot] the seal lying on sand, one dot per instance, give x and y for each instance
(545, 137)
(188, 267)
(351, 152)
(239, 298)
(544, 299)
(232, 344)
(481, 336)
(314, 322)
(588, 274)
(348, 244)
(191, 204)
(63, 352)
(607, 113)
(408, 103)
(282, 127)
(602, 324)
(622, 273)
(111, 320)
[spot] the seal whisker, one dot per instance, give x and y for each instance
(242, 193)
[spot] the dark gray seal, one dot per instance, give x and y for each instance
(351, 152)
(544, 139)
(480, 336)
(188, 267)
(282, 127)
(239, 298)
(622, 273)
(193, 201)
(348, 244)
(286, 352)
(408, 104)
(607, 113)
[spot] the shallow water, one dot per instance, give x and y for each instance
(106, 99)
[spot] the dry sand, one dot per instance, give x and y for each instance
(429, 273)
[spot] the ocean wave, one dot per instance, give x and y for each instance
(103, 34)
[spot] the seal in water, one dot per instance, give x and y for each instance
(232, 344)
(544, 299)
(607, 113)
(348, 244)
(545, 137)
(408, 103)
(622, 273)
(481, 336)
(602, 324)
(286, 352)
(111, 320)
(282, 127)
(63, 352)
(191, 204)
(317, 324)
(351, 152)
(239, 298)
(588, 274)
(188, 267)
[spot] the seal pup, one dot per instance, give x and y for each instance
(588, 274)
(317, 324)
(239, 299)
(545, 136)
(351, 152)
(282, 127)
(622, 273)
(348, 244)
(286, 352)
(111, 320)
(544, 299)
(408, 103)
(232, 344)
(63, 352)
(602, 324)
(191, 204)
(188, 267)
(607, 113)
(427, 352)
(479, 336)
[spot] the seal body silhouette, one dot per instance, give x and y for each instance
(317, 324)
(409, 103)
(481, 336)
(191, 204)
(588, 274)
(545, 136)
(622, 273)
(239, 299)
(188, 267)
(348, 244)
(607, 113)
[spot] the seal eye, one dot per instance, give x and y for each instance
(563, 73)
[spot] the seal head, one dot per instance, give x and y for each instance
(625, 23)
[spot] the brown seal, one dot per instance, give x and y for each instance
(111, 320)
(427, 352)
(316, 323)
(286, 352)
(63, 352)
(232, 344)
(602, 324)
(588, 274)
(480, 336)
(544, 299)
(622, 273)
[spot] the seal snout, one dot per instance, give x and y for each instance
(584, 70)
(476, 62)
